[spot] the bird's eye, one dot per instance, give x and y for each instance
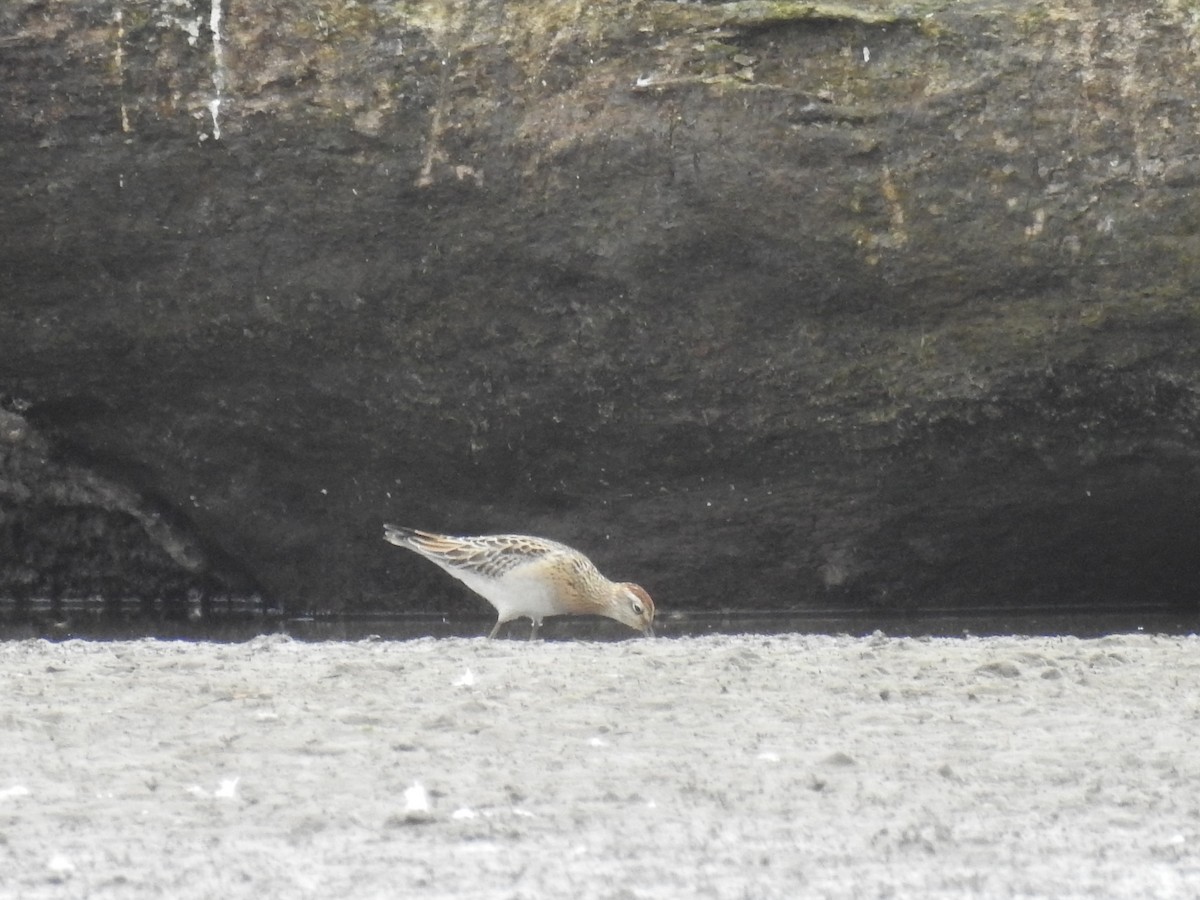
(637, 608)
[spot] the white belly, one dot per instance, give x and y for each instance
(515, 595)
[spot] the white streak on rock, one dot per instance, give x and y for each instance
(218, 66)
(119, 65)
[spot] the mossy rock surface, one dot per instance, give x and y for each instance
(765, 305)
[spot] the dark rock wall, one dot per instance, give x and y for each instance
(766, 305)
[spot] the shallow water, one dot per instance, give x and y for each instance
(1040, 621)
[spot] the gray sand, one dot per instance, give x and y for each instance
(713, 767)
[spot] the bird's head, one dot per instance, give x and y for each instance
(632, 606)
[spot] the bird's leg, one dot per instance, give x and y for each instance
(535, 627)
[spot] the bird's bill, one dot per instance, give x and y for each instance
(648, 631)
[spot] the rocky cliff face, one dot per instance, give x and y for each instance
(765, 305)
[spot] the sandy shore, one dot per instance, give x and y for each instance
(710, 767)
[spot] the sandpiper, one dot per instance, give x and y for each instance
(529, 577)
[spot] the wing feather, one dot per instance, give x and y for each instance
(492, 556)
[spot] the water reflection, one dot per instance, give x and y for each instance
(1079, 622)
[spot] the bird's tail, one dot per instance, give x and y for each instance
(399, 535)
(430, 544)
